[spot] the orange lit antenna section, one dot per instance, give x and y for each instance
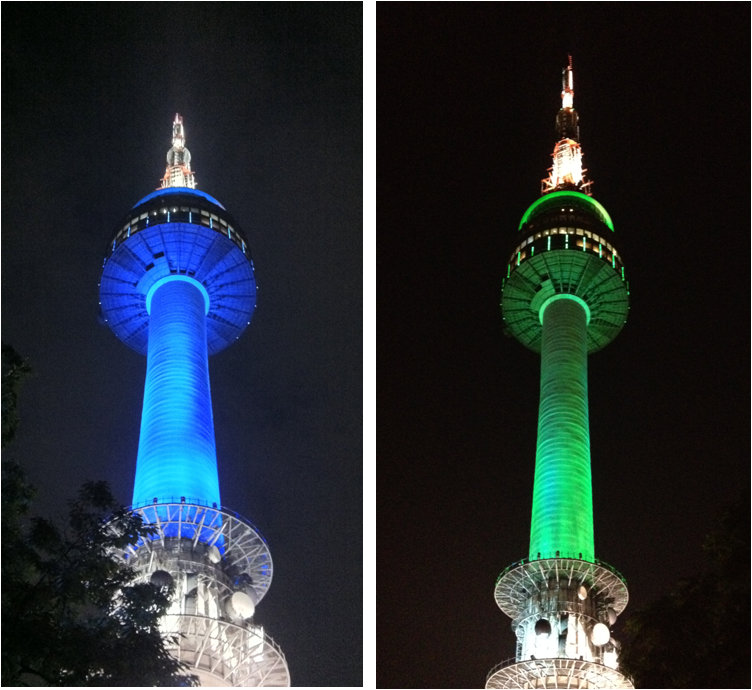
(178, 172)
(567, 171)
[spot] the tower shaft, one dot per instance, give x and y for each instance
(565, 295)
(562, 523)
(177, 457)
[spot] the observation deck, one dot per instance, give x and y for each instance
(178, 231)
(527, 579)
(567, 248)
(191, 532)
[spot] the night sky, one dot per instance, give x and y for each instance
(467, 99)
(271, 96)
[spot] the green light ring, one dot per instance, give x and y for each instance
(579, 301)
(565, 194)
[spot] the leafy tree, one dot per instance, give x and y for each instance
(698, 635)
(71, 612)
(15, 370)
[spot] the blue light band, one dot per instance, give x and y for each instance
(176, 452)
(179, 190)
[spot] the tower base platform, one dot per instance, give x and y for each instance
(555, 673)
(225, 655)
(219, 568)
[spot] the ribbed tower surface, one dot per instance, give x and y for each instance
(178, 286)
(565, 295)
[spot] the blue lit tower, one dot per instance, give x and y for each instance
(178, 286)
(564, 295)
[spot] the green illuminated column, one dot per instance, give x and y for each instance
(562, 495)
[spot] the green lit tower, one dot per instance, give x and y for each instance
(565, 295)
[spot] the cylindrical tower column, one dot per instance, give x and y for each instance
(177, 456)
(562, 522)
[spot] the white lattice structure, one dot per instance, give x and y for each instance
(556, 673)
(212, 557)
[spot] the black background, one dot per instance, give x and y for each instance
(467, 99)
(271, 96)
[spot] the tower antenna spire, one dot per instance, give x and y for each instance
(178, 172)
(567, 171)
(567, 86)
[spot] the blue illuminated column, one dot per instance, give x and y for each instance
(176, 454)
(178, 286)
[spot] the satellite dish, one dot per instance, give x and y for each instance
(161, 578)
(600, 635)
(240, 606)
(213, 554)
(543, 627)
(611, 616)
(582, 592)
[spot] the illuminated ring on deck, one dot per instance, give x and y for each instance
(241, 544)
(565, 197)
(241, 656)
(193, 281)
(574, 298)
(555, 673)
(525, 579)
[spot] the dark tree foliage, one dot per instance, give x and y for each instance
(71, 613)
(698, 636)
(15, 370)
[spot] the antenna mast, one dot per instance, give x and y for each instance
(567, 171)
